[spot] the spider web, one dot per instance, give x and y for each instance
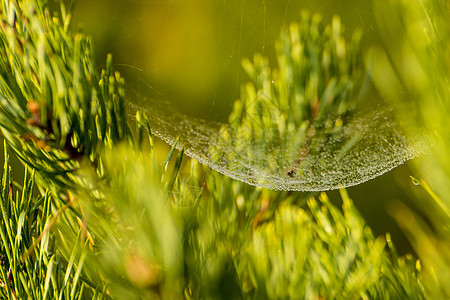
(369, 144)
(156, 50)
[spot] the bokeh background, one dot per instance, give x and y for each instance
(189, 52)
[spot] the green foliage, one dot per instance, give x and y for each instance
(54, 109)
(318, 72)
(32, 266)
(132, 228)
(111, 221)
(416, 61)
(322, 258)
(420, 70)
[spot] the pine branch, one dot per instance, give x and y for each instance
(31, 265)
(55, 110)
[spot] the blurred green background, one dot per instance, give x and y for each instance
(189, 52)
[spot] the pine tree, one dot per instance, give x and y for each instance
(100, 215)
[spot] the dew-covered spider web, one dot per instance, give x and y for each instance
(370, 144)
(290, 111)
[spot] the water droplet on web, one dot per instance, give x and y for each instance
(415, 181)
